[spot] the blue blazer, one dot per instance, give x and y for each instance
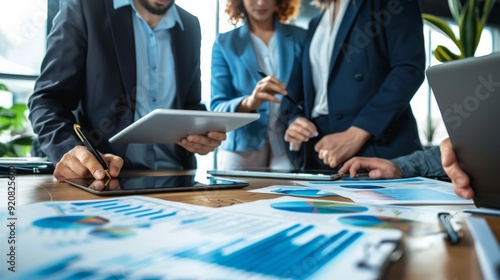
(376, 67)
(235, 74)
(89, 76)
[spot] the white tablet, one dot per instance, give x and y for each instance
(168, 126)
(311, 175)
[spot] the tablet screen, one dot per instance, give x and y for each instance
(151, 184)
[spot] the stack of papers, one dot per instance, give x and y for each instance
(145, 238)
(416, 191)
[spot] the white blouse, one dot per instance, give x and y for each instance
(267, 58)
(320, 54)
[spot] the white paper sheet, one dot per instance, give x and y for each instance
(414, 221)
(416, 191)
(138, 237)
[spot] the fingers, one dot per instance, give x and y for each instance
(219, 136)
(79, 163)
(378, 168)
(264, 91)
(271, 85)
(351, 166)
(201, 144)
(115, 164)
(459, 178)
(300, 131)
(331, 158)
(447, 153)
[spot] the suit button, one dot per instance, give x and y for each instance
(358, 77)
(339, 116)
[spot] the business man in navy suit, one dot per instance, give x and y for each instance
(253, 66)
(108, 63)
(363, 62)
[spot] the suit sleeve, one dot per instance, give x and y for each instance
(61, 84)
(405, 45)
(223, 91)
(193, 100)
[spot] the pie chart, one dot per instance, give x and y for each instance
(70, 222)
(317, 207)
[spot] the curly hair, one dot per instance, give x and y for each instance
(285, 10)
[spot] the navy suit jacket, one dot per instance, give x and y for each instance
(377, 65)
(235, 74)
(89, 77)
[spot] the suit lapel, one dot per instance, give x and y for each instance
(286, 47)
(344, 29)
(244, 47)
(123, 39)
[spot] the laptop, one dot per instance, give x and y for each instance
(468, 95)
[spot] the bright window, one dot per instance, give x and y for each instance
(424, 104)
(22, 36)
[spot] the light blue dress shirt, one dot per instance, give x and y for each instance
(156, 81)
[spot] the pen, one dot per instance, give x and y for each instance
(446, 223)
(263, 75)
(91, 148)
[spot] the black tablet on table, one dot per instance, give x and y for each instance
(153, 184)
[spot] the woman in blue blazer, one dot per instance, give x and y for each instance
(363, 62)
(263, 44)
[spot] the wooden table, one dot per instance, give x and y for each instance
(426, 257)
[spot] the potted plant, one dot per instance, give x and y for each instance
(13, 140)
(430, 132)
(470, 20)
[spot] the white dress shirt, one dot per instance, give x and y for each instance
(320, 54)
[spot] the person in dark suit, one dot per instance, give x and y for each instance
(363, 62)
(253, 67)
(108, 63)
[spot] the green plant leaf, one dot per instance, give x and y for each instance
(444, 54)
(468, 28)
(20, 121)
(488, 6)
(24, 140)
(479, 32)
(6, 113)
(11, 150)
(455, 9)
(5, 127)
(3, 149)
(442, 27)
(3, 87)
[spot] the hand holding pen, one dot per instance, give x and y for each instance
(82, 160)
(265, 90)
(295, 103)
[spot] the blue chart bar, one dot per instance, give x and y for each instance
(278, 256)
(126, 207)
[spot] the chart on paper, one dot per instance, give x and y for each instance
(146, 238)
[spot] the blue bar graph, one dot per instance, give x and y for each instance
(142, 236)
(134, 209)
(272, 255)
